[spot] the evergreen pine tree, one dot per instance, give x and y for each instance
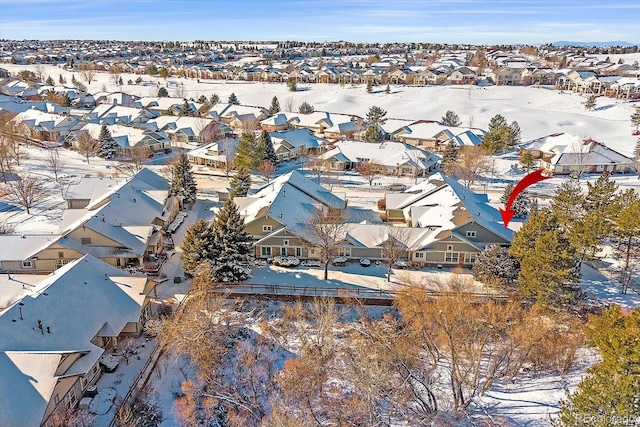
(267, 145)
(214, 99)
(567, 202)
(107, 146)
(240, 183)
(494, 266)
(292, 85)
(185, 109)
(515, 135)
(49, 81)
(233, 99)
(202, 99)
(610, 390)
(197, 246)
(61, 80)
(248, 153)
(388, 89)
(636, 157)
(120, 82)
(450, 157)
(163, 92)
(635, 120)
(183, 184)
(66, 100)
(590, 103)
(275, 107)
(521, 205)
(497, 122)
(235, 249)
(306, 108)
(375, 115)
(450, 118)
(526, 160)
(373, 134)
(369, 87)
(549, 272)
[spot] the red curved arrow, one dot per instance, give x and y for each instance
(528, 180)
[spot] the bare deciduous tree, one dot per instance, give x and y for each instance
(127, 348)
(289, 104)
(26, 192)
(369, 171)
(324, 231)
(394, 246)
(39, 71)
(87, 146)
(133, 161)
(267, 169)
(472, 162)
(88, 73)
(56, 164)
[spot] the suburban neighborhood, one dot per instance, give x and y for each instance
(145, 205)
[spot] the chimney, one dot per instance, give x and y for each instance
(106, 277)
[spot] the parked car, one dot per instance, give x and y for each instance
(365, 262)
(340, 260)
(397, 187)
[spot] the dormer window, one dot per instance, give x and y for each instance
(471, 234)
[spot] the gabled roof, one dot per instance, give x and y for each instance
(445, 204)
(74, 303)
(288, 199)
(387, 153)
(297, 138)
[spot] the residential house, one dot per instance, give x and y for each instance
(564, 154)
(463, 76)
(401, 76)
(217, 154)
(185, 130)
(393, 158)
(79, 194)
(461, 222)
(44, 126)
(505, 76)
(127, 137)
(430, 77)
(53, 334)
(115, 98)
(293, 143)
(420, 134)
(119, 114)
(276, 215)
(122, 225)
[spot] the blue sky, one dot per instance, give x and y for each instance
(451, 21)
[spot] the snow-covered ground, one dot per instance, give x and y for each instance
(539, 111)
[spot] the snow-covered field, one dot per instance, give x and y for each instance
(539, 111)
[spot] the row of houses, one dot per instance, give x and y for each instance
(121, 222)
(444, 223)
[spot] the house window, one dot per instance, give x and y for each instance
(285, 242)
(471, 233)
(298, 252)
(118, 262)
(265, 250)
(420, 255)
(283, 251)
(85, 240)
(469, 257)
(451, 257)
(344, 252)
(60, 254)
(266, 228)
(61, 262)
(27, 264)
(449, 248)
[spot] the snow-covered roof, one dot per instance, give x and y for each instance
(569, 149)
(89, 188)
(387, 153)
(23, 246)
(72, 304)
(289, 199)
(297, 138)
(443, 203)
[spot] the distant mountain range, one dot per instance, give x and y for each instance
(594, 44)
